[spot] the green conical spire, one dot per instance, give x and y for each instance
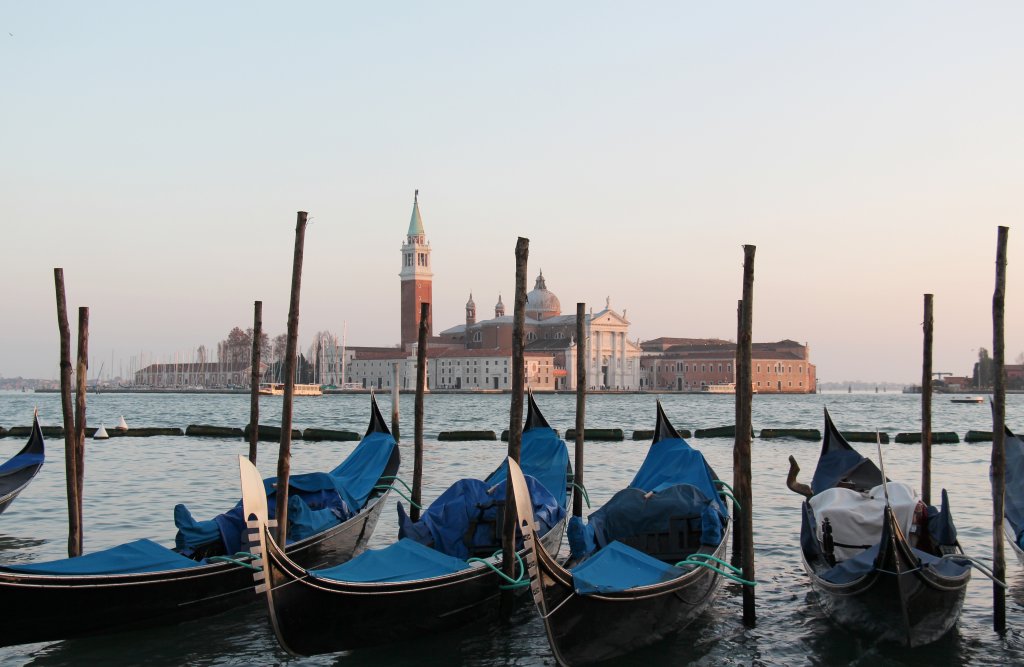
(416, 222)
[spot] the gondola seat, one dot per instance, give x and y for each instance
(404, 560)
(131, 558)
(619, 567)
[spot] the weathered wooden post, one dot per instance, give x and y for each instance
(70, 448)
(581, 407)
(254, 393)
(926, 405)
(737, 534)
(515, 419)
(395, 397)
(999, 436)
(285, 452)
(81, 375)
(421, 386)
(741, 451)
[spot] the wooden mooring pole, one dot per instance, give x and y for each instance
(395, 397)
(581, 408)
(515, 419)
(737, 534)
(741, 452)
(70, 461)
(421, 388)
(254, 392)
(81, 375)
(926, 405)
(284, 454)
(999, 435)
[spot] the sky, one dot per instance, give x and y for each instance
(158, 153)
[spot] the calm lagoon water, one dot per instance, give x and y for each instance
(132, 485)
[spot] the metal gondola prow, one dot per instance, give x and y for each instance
(534, 417)
(377, 423)
(663, 429)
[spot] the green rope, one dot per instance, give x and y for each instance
(718, 481)
(709, 566)
(518, 582)
(399, 480)
(385, 487)
(236, 561)
(730, 566)
(583, 492)
(735, 502)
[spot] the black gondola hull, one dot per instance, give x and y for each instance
(54, 607)
(314, 616)
(583, 629)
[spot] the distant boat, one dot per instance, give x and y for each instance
(277, 389)
(724, 388)
(968, 399)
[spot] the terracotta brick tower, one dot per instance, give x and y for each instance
(416, 277)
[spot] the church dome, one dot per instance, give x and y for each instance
(542, 303)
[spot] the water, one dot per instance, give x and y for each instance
(133, 483)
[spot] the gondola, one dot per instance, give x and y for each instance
(440, 575)
(882, 564)
(18, 471)
(643, 565)
(1013, 512)
(142, 583)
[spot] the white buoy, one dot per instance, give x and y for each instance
(101, 434)
(122, 425)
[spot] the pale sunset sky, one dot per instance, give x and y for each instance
(158, 152)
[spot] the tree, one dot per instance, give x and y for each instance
(983, 370)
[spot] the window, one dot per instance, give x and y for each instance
(728, 368)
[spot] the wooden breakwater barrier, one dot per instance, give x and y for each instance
(719, 432)
(608, 434)
(322, 434)
(58, 432)
(798, 433)
(207, 431)
(865, 436)
(938, 438)
(504, 434)
(466, 435)
(978, 436)
(648, 434)
(271, 433)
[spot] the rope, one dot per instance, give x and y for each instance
(583, 492)
(727, 575)
(718, 481)
(730, 566)
(978, 565)
(399, 480)
(236, 561)
(518, 582)
(385, 487)
(735, 502)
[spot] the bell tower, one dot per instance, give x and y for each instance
(416, 277)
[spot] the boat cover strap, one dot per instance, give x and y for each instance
(404, 560)
(618, 567)
(131, 558)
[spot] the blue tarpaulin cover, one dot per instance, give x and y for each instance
(852, 569)
(543, 456)
(404, 560)
(133, 557)
(316, 500)
(672, 461)
(618, 567)
(470, 503)
(1014, 510)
